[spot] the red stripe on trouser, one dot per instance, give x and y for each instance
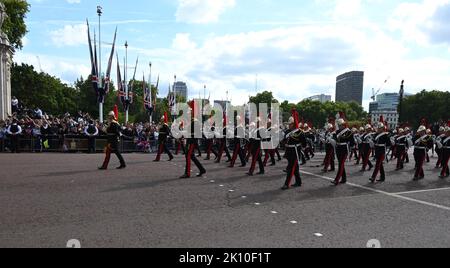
(379, 164)
(266, 158)
(107, 156)
(161, 149)
(255, 158)
(222, 149)
(341, 168)
(366, 158)
(237, 148)
(445, 166)
(292, 173)
(178, 148)
(419, 171)
(188, 159)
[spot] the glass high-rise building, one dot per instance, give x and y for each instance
(181, 89)
(350, 87)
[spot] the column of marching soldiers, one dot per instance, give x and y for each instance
(367, 144)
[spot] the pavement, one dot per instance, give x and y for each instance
(48, 199)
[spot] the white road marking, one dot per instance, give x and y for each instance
(424, 191)
(257, 204)
(318, 234)
(383, 192)
(294, 222)
(243, 197)
(231, 191)
(274, 212)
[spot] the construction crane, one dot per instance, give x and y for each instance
(39, 62)
(375, 94)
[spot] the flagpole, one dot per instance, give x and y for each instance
(100, 82)
(126, 83)
(151, 99)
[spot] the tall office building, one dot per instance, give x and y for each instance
(181, 89)
(349, 87)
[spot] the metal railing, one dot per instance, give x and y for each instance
(72, 144)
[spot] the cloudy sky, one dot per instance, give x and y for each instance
(294, 48)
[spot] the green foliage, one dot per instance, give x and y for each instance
(318, 113)
(14, 25)
(42, 90)
(264, 97)
(434, 106)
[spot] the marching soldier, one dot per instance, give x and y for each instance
(367, 144)
(329, 156)
(360, 145)
(341, 139)
(239, 136)
(255, 148)
(354, 145)
(409, 144)
(269, 153)
(294, 141)
(420, 150)
(191, 142)
(381, 141)
(310, 139)
(163, 137)
(439, 151)
(445, 146)
(401, 143)
(114, 132)
(209, 134)
(223, 145)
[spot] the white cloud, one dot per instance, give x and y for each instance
(202, 11)
(70, 35)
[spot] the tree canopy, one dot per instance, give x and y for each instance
(14, 25)
(434, 106)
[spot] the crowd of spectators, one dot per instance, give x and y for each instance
(40, 127)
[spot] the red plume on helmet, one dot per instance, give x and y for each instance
(296, 117)
(116, 112)
(166, 118)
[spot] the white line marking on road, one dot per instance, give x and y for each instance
(383, 192)
(424, 191)
(318, 234)
(294, 222)
(243, 197)
(221, 185)
(212, 181)
(257, 204)
(274, 212)
(231, 191)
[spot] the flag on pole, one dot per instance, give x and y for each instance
(93, 55)
(121, 86)
(130, 90)
(108, 71)
(147, 96)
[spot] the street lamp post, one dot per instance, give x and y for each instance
(126, 83)
(100, 82)
(150, 92)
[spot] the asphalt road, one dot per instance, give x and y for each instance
(48, 199)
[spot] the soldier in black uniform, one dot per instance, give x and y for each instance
(421, 142)
(210, 130)
(439, 151)
(191, 142)
(445, 146)
(401, 143)
(255, 143)
(113, 131)
(14, 131)
(367, 141)
(329, 149)
(381, 141)
(294, 140)
(342, 138)
(223, 146)
(163, 137)
(239, 136)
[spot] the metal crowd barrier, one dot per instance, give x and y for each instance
(70, 144)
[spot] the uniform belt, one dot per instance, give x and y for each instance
(380, 145)
(401, 144)
(293, 146)
(419, 147)
(446, 147)
(342, 144)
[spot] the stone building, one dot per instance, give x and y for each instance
(6, 54)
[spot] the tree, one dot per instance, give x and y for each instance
(430, 105)
(14, 25)
(264, 97)
(41, 90)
